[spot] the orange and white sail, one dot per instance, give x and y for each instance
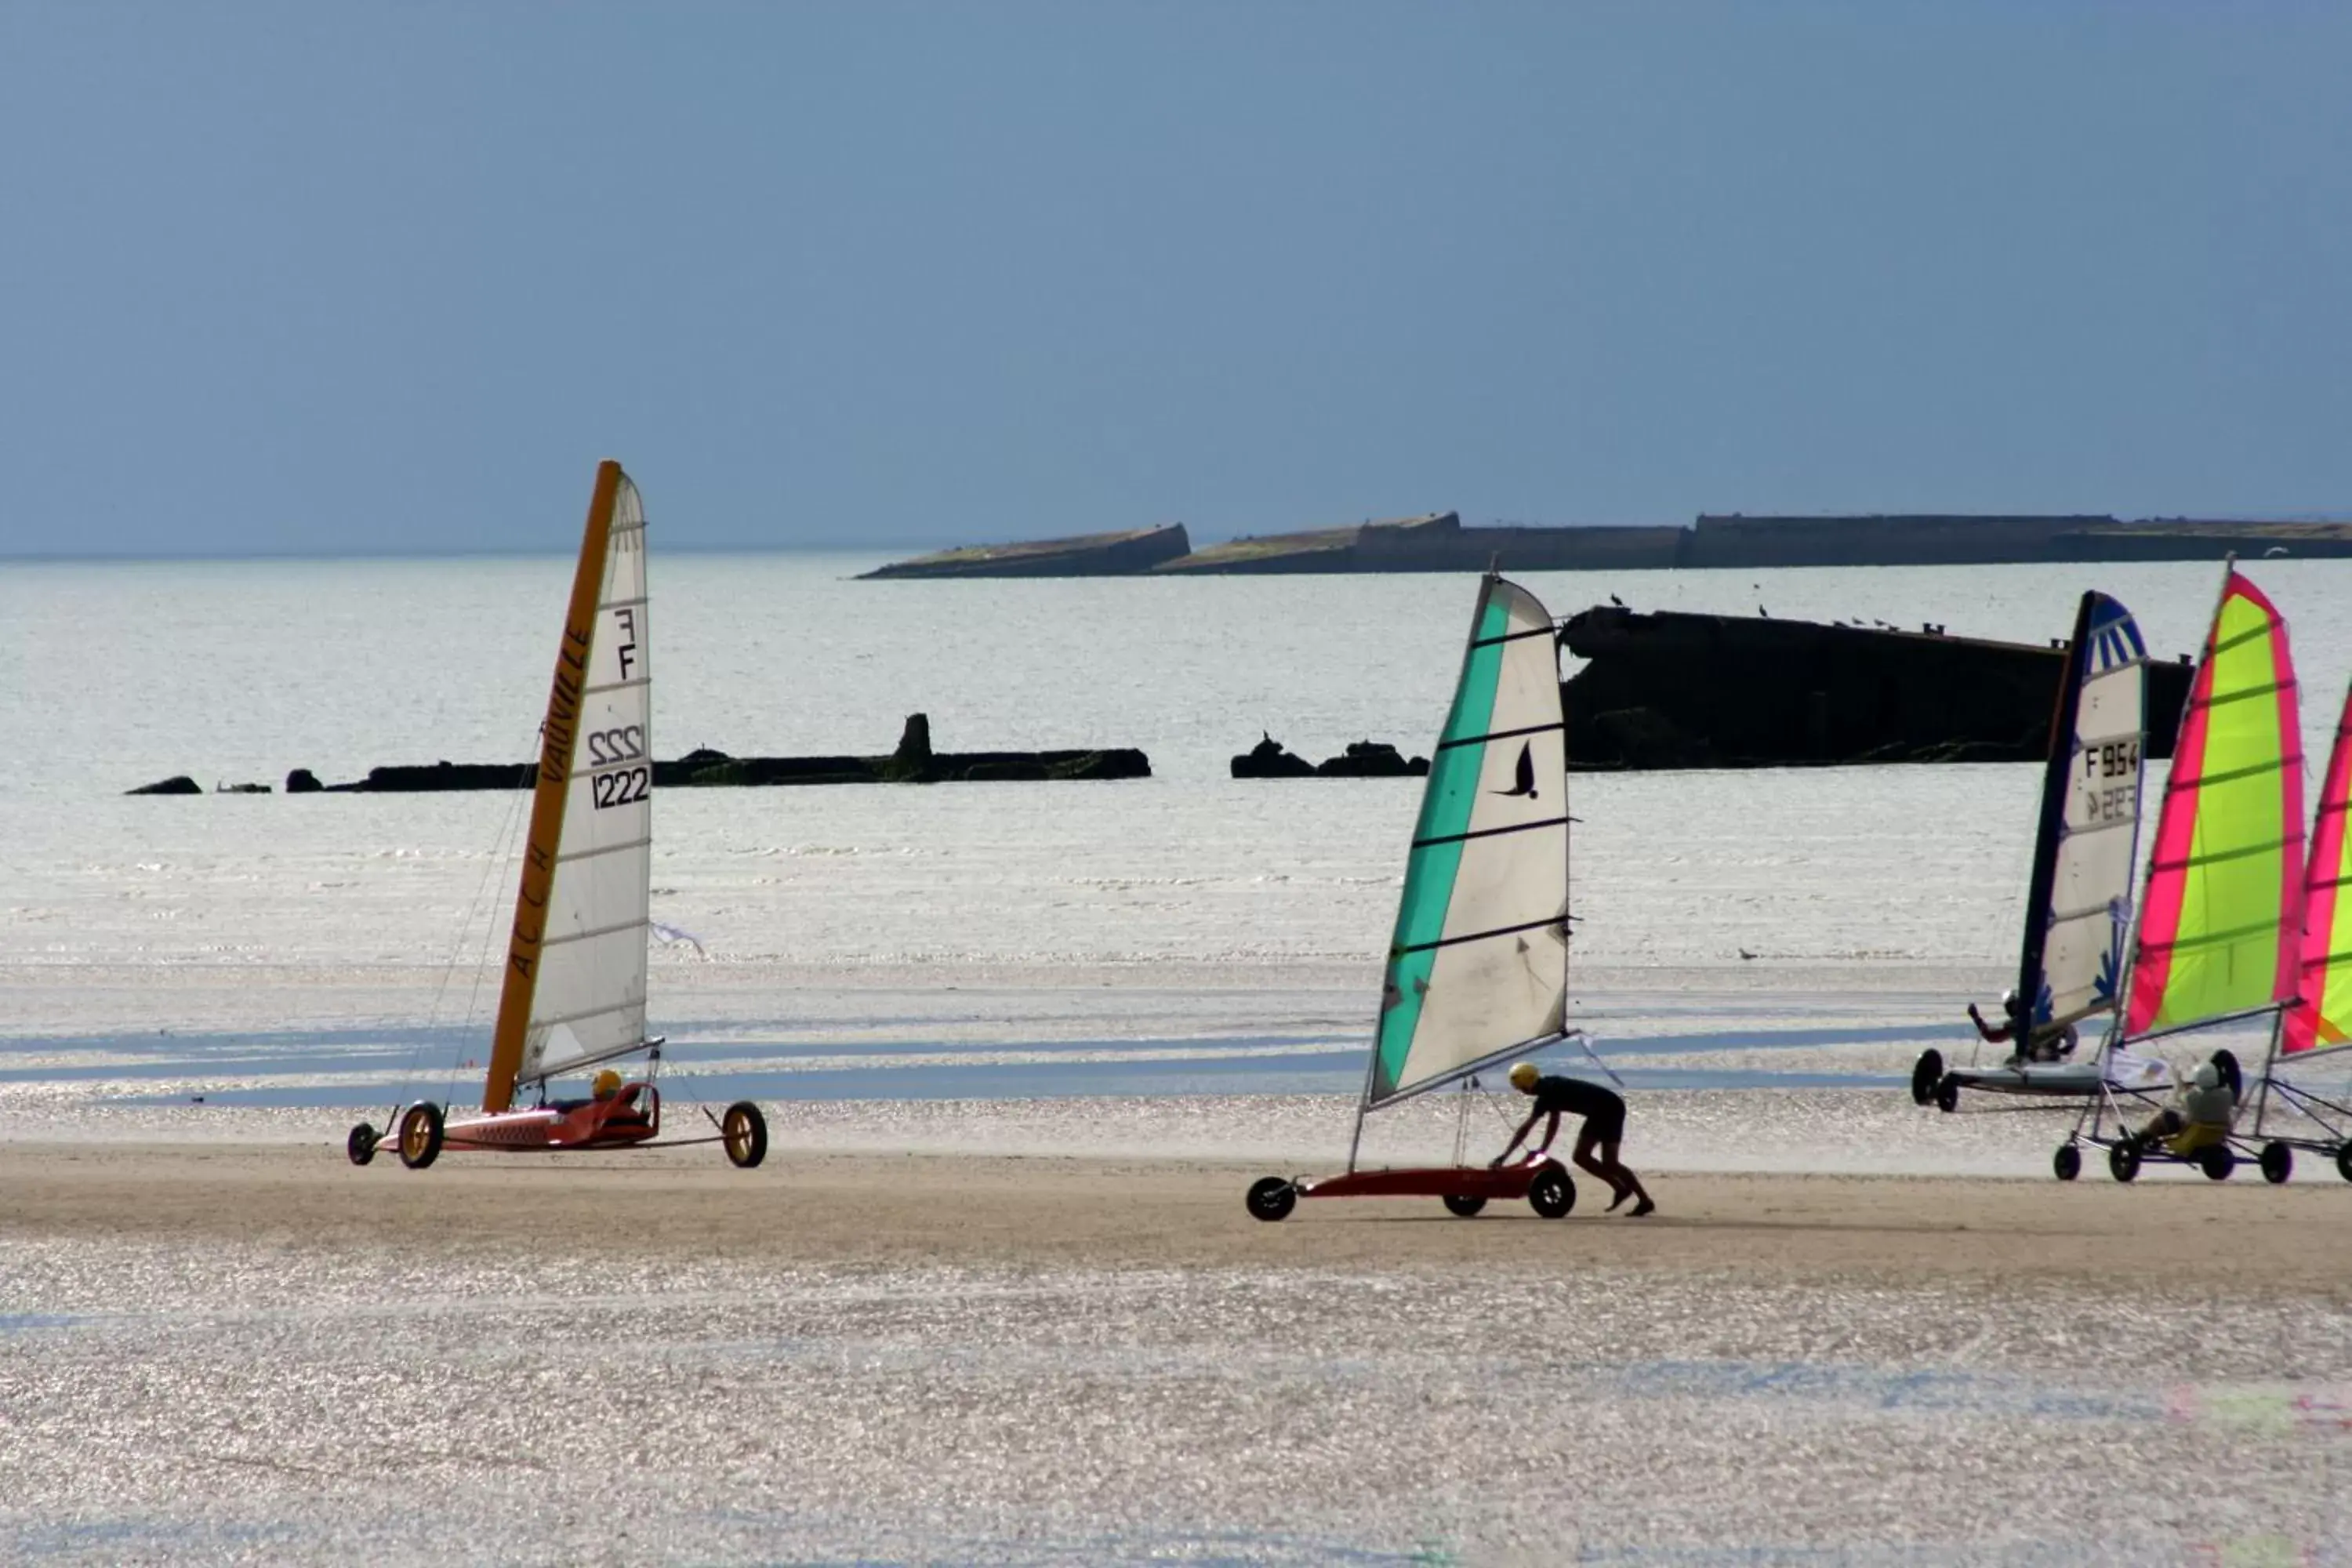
(574, 988)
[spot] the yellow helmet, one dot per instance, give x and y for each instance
(1523, 1076)
(607, 1084)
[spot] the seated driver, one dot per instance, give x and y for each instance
(2035, 1042)
(2201, 1120)
(606, 1085)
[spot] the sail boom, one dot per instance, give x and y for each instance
(1470, 1069)
(592, 1058)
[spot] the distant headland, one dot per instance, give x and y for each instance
(1439, 542)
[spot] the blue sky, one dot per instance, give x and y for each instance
(304, 278)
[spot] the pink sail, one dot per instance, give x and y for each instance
(2324, 1017)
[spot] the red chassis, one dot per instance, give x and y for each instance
(631, 1118)
(1464, 1189)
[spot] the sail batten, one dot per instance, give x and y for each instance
(2224, 898)
(1490, 832)
(1477, 965)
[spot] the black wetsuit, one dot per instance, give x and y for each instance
(1604, 1111)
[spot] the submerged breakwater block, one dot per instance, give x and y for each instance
(1674, 690)
(1270, 758)
(914, 762)
(1371, 760)
(178, 784)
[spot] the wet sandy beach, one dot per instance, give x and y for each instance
(225, 1353)
(1044, 1211)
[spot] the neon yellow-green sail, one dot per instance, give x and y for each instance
(2224, 903)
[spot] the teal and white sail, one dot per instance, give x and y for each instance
(1477, 967)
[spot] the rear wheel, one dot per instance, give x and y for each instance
(743, 1133)
(361, 1144)
(1271, 1198)
(2278, 1163)
(1464, 1203)
(1925, 1074)
(1948, 1093)
(1551, 1193)
(2217, 1163)
(420, 1135)
(2123, 1162)
(2067, 1164)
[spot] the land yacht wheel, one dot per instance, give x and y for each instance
(2123, 1162)
(2217, 1163)
(361, 1144)
(1464, 1204)
(1551, 1193)
(421, 1129)
(2278, 1163)
(1271, 1198)
(743, 1133)
(1948, 1093)
(2344, 1161)
(1925, 1074)
(2067, 1164)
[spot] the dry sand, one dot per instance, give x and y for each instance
(1047, 1212)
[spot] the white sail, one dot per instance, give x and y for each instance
(2096, 843)
(589, 1001)
(1478, 964)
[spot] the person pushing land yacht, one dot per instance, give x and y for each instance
(1604, 1128)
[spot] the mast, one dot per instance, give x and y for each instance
(559, 737)
(2057, 775)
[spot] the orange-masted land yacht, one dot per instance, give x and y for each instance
(574, 996)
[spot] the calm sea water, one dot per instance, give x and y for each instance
(1144, 917)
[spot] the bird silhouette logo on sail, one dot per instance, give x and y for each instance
(1524, 779)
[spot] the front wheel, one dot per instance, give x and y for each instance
(1464, 1205)
(2067, 1164)
(421, 1127)
(2278, 1163)
(1551, 1193)
(361, 1144)
(2217, 1163)
(2123, 1162)
(1925, 1074)
(1271, 1198)
(743, 1133)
